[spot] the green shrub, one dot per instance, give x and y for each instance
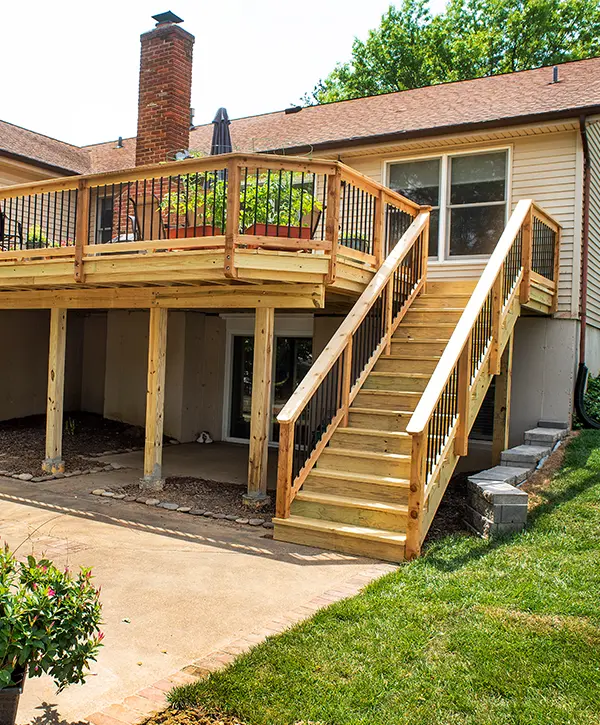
(49, 621)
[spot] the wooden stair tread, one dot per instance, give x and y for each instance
(422, 308)
(420, 341)
(351, 502)
(396, 356)
(433, 323)
(374, 455)
(374, 432)
(394, 374)
(333, 527)
(380, 411)
(370, 478)
(375, 391)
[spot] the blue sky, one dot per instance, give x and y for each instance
(70, 69)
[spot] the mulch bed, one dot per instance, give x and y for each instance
(220, 498)
(449, 516)
(22, 441)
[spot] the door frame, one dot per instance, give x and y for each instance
(301, 325)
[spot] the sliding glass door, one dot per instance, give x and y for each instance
(292, 360)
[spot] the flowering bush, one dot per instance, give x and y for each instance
(49, 621)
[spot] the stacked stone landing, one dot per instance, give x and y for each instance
(495, 503)
(355, 498)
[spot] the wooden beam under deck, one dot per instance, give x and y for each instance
(299, 296)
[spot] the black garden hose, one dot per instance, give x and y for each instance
(584, 418)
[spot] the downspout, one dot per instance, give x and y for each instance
(582, 371)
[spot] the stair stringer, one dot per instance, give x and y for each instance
(440, 479)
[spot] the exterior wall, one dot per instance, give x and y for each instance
(18, 172)
(24, 362)
(93, 369)
(544, 371)
(211, 414)
(546, 165)
(324, 329)
(127, 364)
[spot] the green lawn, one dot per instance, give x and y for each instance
(473, 632)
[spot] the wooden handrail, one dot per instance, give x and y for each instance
(441, 422)
(335, 347)
(466, 322)
(322, 401)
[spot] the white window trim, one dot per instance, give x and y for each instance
(443, 257)
(243, 324)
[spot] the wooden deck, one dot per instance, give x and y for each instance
(228, 231)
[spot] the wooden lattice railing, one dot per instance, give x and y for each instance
(322, 400)
(524, 264)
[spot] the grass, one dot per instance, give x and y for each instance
(473, 633)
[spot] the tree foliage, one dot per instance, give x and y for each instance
(412, 48)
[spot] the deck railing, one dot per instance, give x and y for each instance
(525, 257)
(229, 202)
(322, 400)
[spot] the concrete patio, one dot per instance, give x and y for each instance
(218, 461)
(174, 588)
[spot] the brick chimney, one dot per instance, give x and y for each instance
(165, 91)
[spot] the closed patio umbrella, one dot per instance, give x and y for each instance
(221, 140)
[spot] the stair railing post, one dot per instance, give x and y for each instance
(461, 442)
(285, 469)
(379, 229)
(526, 256)
(416, 494)
(346, 381)
(232, 223)
(82, 229)
(425, 245)
(332, 221)
(496, 323)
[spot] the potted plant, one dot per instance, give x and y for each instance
(271, 204)
(49, 624)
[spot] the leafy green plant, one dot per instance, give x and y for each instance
(49, 621)
(70, 426)
(592, 397)
(36, 238)
(265, 198)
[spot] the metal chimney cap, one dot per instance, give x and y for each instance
(168, 17)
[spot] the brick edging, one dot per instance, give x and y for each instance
(153, 699)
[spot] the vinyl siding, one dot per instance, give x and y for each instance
(593, 298)
(546, 167)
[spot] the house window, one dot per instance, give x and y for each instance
(104, 220)
(468, 196)
(420, 182)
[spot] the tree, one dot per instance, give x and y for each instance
(470, 39)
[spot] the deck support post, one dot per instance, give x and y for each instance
(155, 399)
(53, 462)
(502, 403)
(260, 421)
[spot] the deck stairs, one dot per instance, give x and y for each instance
(355, 498)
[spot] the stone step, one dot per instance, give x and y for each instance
(512, 475)
(553, 424)
(545, 436)
(524, 456)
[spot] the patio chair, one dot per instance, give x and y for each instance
(10, 239)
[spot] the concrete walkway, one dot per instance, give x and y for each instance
(174, 588)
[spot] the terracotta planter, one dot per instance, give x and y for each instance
(202, 230)
(262, 230)
(9, 700)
